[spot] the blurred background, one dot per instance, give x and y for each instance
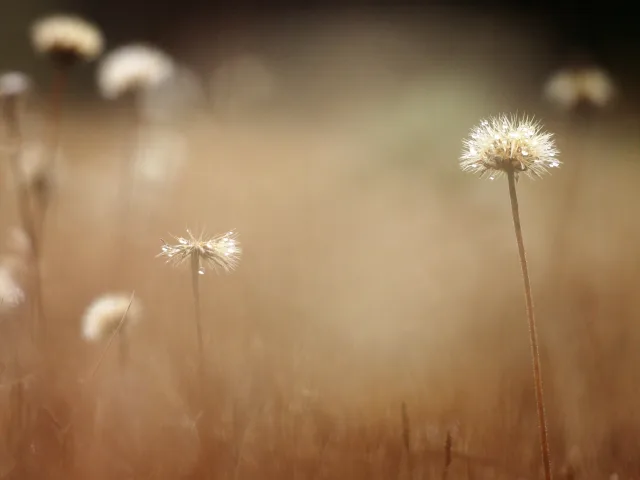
(375, 273)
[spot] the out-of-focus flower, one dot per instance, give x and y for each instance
(220, 252)
(11, 292)
(14, 84)
(67, 39)
(133, 68)
(570, 87)
(104, 315)
(502, 144)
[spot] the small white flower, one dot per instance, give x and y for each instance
(14, 84)
(222, 251)
(502, 144)
(133, 68)
(67, 38)
(11, 292)
(103, 316)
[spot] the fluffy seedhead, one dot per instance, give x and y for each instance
(67, 39)
(133, 68)
(571, 87)
(14, 85)
(502, 144)
(11, 292)
(220, 252)
(102, 317)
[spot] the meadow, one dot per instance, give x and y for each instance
(374, 327)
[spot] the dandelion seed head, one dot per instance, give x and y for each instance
(67, 39)
(501, 144)
(133, 68)
(102, 317)
(221, 252)
(569, 87)
(14, 84)
(11, 292)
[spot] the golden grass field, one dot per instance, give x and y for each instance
(374, 274)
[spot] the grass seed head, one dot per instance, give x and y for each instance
(67, 39)
(102, 317)
(133, 68)
(221, 252)
(501, 144)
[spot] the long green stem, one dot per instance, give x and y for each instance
(533, 334)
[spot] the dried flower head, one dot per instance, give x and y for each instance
(67, 39)
(220, 252)
(11, 292)
(502, 144)
(14, 84)
(103, 316)
(569, 87)
(133, 68)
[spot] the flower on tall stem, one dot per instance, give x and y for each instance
(124, 74)
(221, 252)
(67, 39)
(509, 146)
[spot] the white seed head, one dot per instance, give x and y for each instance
(569, 87)
(501, 144)
(11, 292)
(102, 317)
(220, 252)
(133, 68)
(14, 84)
(67, 38)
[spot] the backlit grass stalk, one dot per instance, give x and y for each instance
(510, 146)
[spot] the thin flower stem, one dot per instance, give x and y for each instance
(58, 88)
(129, 159)
(195, 287)
(10, 113)
(113, 335)
(406, 438)
(533, 334)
